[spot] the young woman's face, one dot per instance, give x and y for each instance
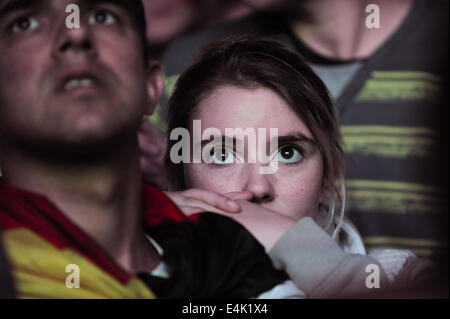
(295, 189)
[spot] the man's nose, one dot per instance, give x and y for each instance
(259, 184)
(76, 40)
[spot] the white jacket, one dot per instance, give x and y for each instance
(323, 269)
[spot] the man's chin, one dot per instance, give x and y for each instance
(84, 104)
(78, 148)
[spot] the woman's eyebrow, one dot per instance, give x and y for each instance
(290, 137)
(295, 137)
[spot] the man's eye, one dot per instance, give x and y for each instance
(24, 24)
(288, 154)
(221, 156)
(102, 17)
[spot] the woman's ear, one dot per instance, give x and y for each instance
(155, 85)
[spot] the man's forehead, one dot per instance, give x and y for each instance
(132, 8)
(129, 11)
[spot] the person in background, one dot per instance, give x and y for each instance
(167, 21)
(170, 19)
(72, 195)
(389, 89)
(253, 84)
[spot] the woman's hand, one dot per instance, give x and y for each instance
(266, 225)
(196, 200)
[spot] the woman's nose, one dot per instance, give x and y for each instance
(260, 185)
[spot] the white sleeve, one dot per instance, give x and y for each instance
(286, 290)
(319, 267)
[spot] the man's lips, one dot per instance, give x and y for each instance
(76, 78)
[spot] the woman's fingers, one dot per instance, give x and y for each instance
(211, 198)
(191, 205)
(240, 195)
(188, 210)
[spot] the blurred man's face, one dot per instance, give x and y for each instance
(268, 4)
(61, 86)
(167, 19)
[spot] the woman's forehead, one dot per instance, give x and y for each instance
(236, 107)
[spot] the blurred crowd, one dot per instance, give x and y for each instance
(388, 86)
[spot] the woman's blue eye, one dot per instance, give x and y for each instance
(24, 24)
(221, 156)
(102, 17)
(288, 154)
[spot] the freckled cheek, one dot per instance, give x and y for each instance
(299, 194)
(197, 176)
